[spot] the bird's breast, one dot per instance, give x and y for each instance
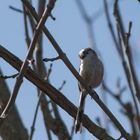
(92, 72)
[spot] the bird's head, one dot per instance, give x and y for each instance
(87, 52)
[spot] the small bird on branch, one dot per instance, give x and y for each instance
(91, 70)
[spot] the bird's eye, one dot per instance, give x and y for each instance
(86, 52)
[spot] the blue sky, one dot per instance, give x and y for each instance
(70, 32)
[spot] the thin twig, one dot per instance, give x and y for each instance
(49, 120)
(76, 74)
(129, 31)
(111, 26)
(127, 47)
(19, 79)
(117, 98)
(72, 130)
(34, 120)
(14, 123)
(128, 112)
(20, 11)
(10, 76)
(15, 9)
(51, 59)
(54, 94)
(89, 22)
(98, 120)
(27, 36)
(119, 49)
(49, 71)
(127, 72)
(62, 85)
(28, 41)
(52, 17)
(128, 53)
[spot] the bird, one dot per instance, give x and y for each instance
(91, 70)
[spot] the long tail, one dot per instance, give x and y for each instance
(78, 121)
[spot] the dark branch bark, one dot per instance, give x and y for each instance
(66, 61)
(54, 94)
(12, 128)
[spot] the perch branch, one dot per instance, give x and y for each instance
(54, 94)
(76, 74)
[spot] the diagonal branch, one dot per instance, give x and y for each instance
(13, 128)
(127, 47)
(19, 79)
(119, 48)
(125, 39)
(52, 124)
(77, 76)
(54, 94)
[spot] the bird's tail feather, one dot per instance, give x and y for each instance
(78, 121)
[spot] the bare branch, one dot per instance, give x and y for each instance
(89, 21)
(62, 85)
(76, 74)
(20, 11)
(128, 53)
(7, 77)
(126, 107)
(129, 30)
(51, 59)
(15, 9)
(49, 71)
(13, 128)
(34, 120)
(19, 79)
(54, 94)
(127, 47)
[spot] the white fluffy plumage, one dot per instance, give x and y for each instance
(91, 70)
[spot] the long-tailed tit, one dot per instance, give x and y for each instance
(91, 70)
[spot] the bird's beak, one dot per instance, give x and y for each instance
(82, 55)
